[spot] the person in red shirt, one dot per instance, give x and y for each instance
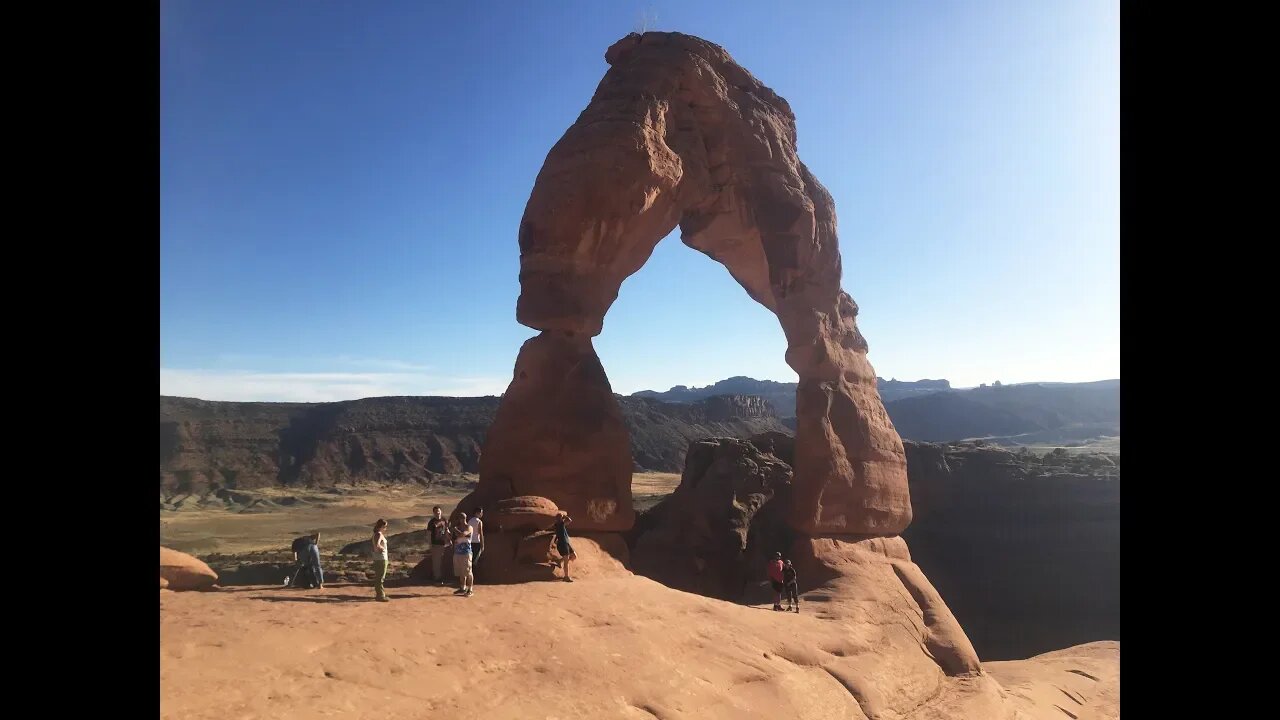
(775, 578)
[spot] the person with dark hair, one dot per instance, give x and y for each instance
(793, 587)
(462, 556)
(380, 561)
(477, 535)
(562, 543)
(775, 579)
(438, 531)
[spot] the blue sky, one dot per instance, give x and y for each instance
(342, 183)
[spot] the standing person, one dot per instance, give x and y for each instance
(313, 560)
(793, 587)
(462, 556)
(380, 560)
(562, 543)
(477, 535)
(299, 549)
(775, 579)
(438, 531)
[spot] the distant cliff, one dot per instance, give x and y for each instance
(783, 395)
(1030, 413)
(209, 445)
(931, 411)
(1024, 547)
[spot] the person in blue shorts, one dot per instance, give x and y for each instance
(462, 537)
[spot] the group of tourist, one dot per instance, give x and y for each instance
(463, 540)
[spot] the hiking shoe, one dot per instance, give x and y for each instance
(459, 591)
(568, 579)
(468, 593)
(383, 599)
(797, 608)
(777, 608)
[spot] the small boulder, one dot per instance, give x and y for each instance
(524, 512)
(183, 572)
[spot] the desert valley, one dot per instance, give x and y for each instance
(956, 549)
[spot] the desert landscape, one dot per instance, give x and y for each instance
(1012, 605)
(957, 551)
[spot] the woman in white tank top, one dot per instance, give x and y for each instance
(380, 560)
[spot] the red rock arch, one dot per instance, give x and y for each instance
(679, 134)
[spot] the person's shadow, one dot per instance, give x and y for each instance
(311, 595)
(313, 598)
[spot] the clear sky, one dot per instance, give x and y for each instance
(341, 185)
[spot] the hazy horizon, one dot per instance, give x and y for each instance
(205, 384)
(341, 187)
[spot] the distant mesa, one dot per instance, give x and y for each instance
(212, 453)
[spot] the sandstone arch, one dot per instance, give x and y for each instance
(678, 133)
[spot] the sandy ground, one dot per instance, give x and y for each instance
(650, 487)
(340, 518)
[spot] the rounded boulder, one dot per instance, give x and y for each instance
(184, 572)
(525, 512)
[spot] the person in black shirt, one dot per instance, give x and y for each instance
(438, 532)
(793, 587)
(562, 543)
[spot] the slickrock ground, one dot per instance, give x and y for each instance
(611, 645)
